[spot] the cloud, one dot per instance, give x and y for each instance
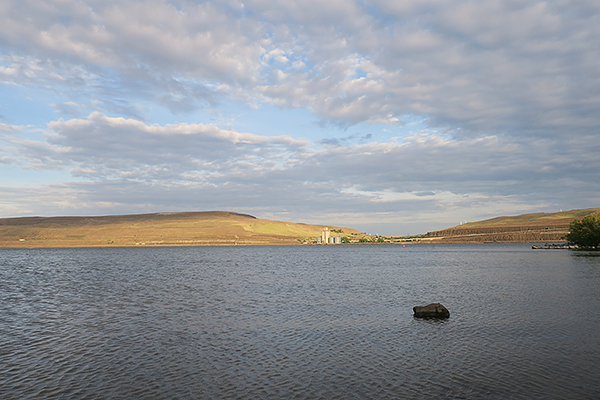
(69, 108)
(132, 166)
(9, 128)
(506, 94)
(497, 68)
(114, 148)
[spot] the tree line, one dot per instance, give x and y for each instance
(585, 232)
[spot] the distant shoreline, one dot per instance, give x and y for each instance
(227, 243)
(224, 228)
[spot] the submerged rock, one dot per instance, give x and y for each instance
(433, 310)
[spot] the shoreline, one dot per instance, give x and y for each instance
(283, 242)
(562, 246)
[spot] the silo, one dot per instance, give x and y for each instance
(325, 236)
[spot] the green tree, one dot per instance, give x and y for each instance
(585, 232)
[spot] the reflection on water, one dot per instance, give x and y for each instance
(299, 322)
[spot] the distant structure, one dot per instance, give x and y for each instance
(326, 238)
(325, 235)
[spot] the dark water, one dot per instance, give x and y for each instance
(299, 322)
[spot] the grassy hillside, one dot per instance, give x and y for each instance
(162, 229)
(538, 227)
(228, 228)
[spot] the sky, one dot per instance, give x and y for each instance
(388, 116)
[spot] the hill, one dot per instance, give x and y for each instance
(538, 227)
(159, 229)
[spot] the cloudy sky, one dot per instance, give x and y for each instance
(389, 116)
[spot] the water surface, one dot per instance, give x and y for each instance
(304, 322)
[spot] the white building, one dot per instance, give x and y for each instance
(326, 238)
(325, 235)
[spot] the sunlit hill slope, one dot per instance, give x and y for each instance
(161, 229)
(538, 227)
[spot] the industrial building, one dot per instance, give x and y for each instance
(326, 238)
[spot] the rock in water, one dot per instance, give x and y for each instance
(433, 310)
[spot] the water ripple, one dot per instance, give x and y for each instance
(298, 323)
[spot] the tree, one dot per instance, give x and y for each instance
(585, 232)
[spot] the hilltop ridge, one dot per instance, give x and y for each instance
(108, 219)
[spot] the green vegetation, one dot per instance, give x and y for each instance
(406, 238)
(585, 232)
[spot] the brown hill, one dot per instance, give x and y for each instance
(526, 228)
(160, 229)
